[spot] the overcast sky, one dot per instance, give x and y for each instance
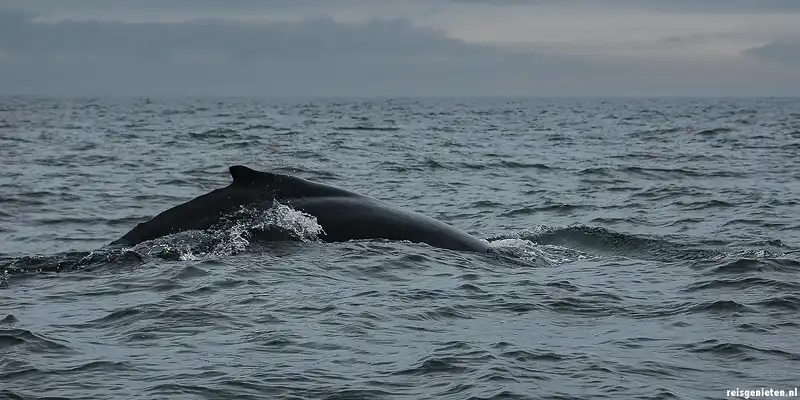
(401, 47)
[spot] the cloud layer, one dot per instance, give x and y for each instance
(316, 54)
(309, 39)
(284, 57)
(255, 6)
(787, 52)
(688, 6)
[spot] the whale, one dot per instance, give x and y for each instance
(342, 214)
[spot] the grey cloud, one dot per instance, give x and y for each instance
(722, 6)
(502, 2)
(315, 57)
(781, 51)
(177, 9)
(691, 6)
(185, 9)
(699, 38)
(686, 39)
(318, 38)
(44, 6)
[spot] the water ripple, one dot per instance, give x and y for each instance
(642, 248)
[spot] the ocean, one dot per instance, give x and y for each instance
(642, 249)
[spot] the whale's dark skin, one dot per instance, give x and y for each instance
(343, 215)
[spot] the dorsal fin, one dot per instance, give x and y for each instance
(282, 186)
(244, 176)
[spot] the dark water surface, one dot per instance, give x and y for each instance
(646, 249)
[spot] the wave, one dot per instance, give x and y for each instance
(34, 342)
(607, 242)
(231, 236)
(368, 128)
(714, 131)
(213, 132)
